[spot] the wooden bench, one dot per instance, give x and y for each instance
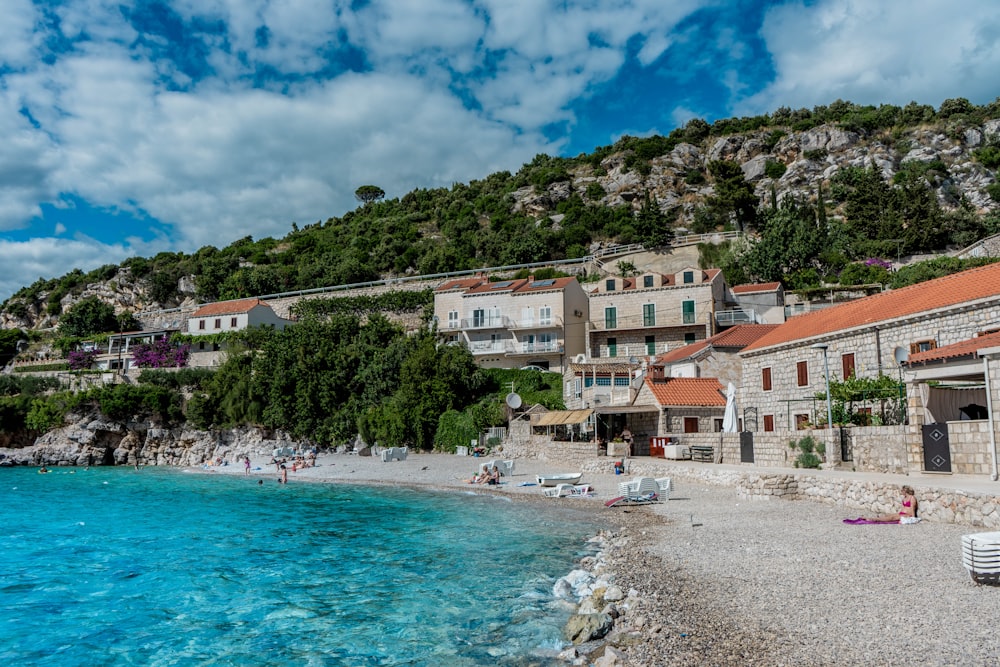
(702, 452)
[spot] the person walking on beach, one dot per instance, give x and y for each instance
(246, 466)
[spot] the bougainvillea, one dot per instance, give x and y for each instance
(881, 263)
(160, 354)
(81, 360)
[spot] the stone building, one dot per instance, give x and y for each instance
(716, 357)
(514, 323)
(784, 371)
(653, 312)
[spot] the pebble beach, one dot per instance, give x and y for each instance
(719, 580)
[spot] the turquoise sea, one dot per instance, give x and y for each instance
(161, 567)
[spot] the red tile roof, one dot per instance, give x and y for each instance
(682, 352)
(739, 336)
(228, 307)
(958, 288)
(961, 349)
(461, 283)
(760, 287)
(537, 285)
(689, 392)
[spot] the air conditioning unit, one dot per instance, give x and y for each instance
(577, 313)
(580, 358)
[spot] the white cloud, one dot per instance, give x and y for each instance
(26, 262)
(879, 52)
(60, 229)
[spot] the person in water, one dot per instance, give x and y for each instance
(908, 513)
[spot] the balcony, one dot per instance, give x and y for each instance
(728, 318)
(487, 321)
(552, 347)
(488, 347)
(627, 322)
(547, 323)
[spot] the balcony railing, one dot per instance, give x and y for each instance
(487, 347)
(727, 318)
(660, 321)
(487, 322)
(627, 351)
(552, 347)
(547, 323)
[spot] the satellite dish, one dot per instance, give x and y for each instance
(900, 354)
(633, 360)
(513, 401)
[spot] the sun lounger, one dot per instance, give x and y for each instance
(639, 491)
(394, 454)
(570, 491)
(506, 468)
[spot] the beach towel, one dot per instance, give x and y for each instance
(861, 521)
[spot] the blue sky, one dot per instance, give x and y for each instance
(136, 128)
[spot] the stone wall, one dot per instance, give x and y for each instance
(856, 497)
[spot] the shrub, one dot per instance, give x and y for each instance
(993, 190)
(595, 191)
(81, 360)
(815, 154)
(809, 452)
(774, 169)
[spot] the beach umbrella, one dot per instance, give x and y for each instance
(730, 421)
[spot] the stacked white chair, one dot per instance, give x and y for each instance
(981, 556)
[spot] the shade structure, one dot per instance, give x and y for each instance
(730, 420)
(561, 417)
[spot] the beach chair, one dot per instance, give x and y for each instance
(663, 495)
(506, 468)
(569, 491)
(639, 491)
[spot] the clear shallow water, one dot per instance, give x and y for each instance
(159, 567)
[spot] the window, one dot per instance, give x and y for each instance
(863, 416)
(577, 388)
(621, 380)
(649, 314)
(650, 345)
(687, 308)
(922, 346)
(717, 425)
(847, 364)
(201, 346)
(647, 281)
(604, 382)
(802, 373)
(218, 323)
(609, 285)
(801, 422)
(690, 424)
(201, 324)
(611, 318)
(452, 319)
(688, 338)
(765, 377)
(768, 422)
(545, 315)
(232, 322)
(478, 317)
(612, 347)
(688, 277)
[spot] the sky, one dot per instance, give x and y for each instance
(133, 128)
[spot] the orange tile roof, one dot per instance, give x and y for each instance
(546, 284)
(460, 283)
(961, 349)
(958, 288)
(681, 352)
(497, 287)
(739, 336)
(689, 392)
(228, 307)
(760, 287)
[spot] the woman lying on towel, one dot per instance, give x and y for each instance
(906, 515)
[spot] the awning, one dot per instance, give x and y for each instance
(623, 409)
(559, 417)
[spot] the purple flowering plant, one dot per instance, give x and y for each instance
(879, 262)
(81, 360)
(160, 354)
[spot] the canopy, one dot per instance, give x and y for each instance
(560, 417)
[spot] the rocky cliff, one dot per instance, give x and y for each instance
(91, 439)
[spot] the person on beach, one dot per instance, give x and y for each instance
(479, 478)
(284, 475)
(627, 438)
(906, 515)
(494, 476)
(246, 466)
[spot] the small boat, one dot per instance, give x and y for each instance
(553, 480)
